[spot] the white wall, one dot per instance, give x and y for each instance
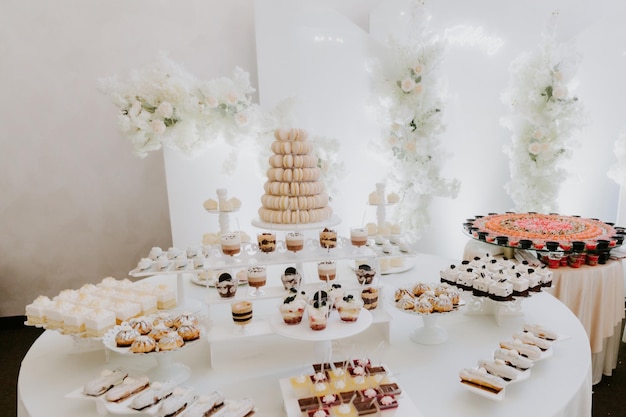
(76, 205)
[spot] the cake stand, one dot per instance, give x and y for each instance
(485, 306)
(332, 221)
(430, 333)
(335, 329)
(165, 369)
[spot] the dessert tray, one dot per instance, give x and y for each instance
(511, 362)
(301, 399)
(430, 302)
(551, 232)
(109, 342)
(169, 398)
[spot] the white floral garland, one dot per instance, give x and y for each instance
(543, 118)
(162, 105)
(617, 172)
(412, 100)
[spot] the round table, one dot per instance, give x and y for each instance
(559, 386)
(595, 294)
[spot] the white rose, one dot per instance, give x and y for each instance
(232, 98)
(544, 147)
(241, 118)
(537, 134)
(534, 148)
(165, 110)
(410, 146)
(407, 85)
(418, 68)
(418, 88)
(559, 92)
(158, 126)
(211, 102)
(135, 108)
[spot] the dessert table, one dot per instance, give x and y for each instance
(595, 294)
(252, 366)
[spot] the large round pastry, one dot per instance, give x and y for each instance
(293, 191)
(543, 227)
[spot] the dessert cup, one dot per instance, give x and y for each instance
(226, 285)
(369, 295)
(327, 270)
(318, 315)
(294, 241)
(328, 238)
(242, 313)
(291, 278)
(257, 278)
(365, 274)
(358, 236)
(266, 242)
(231, 244)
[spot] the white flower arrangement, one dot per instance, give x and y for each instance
(327, 152)
(412, 100)
(617, 172)
(162, 105)
(544, 116)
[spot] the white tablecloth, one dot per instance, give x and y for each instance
(596, 295)
(559, 386)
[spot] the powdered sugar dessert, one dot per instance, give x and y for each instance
(36, 311)
(482, 379)
(107, 380)
(98, 322)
